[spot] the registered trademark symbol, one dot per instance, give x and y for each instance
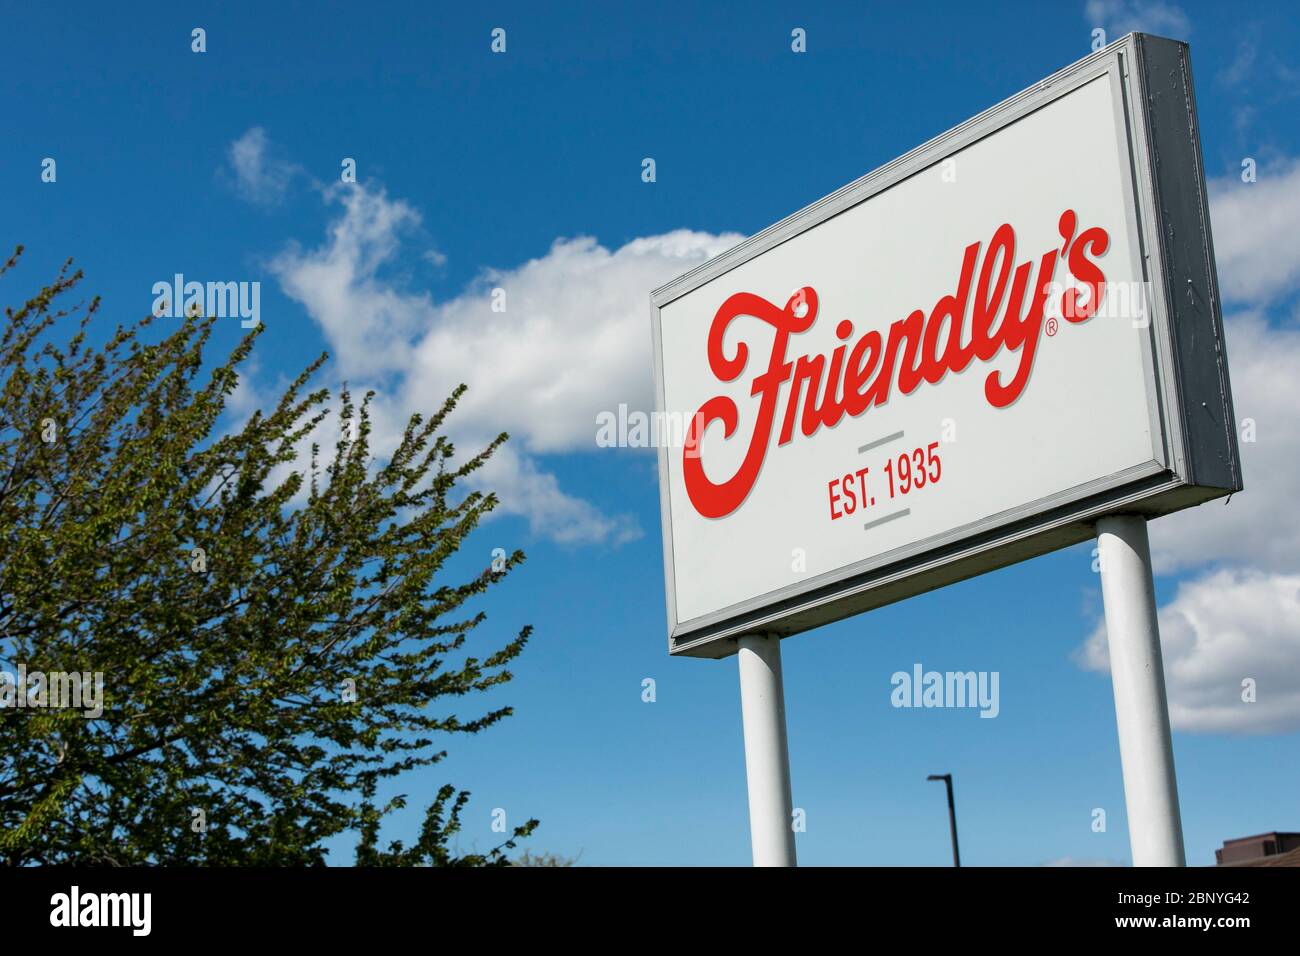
(1052, 326)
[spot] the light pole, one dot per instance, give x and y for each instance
(952, 814)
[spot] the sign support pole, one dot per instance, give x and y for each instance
(1141, 709)
(767, 756)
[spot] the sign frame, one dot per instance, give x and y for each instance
(1189, 397)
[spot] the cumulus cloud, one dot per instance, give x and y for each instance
(572, 339)
(529, 491)
(369, 323)
(1254, 233)
(544, 346)
(1236, 619)
(1119, 17)
(1261, 526)
(1221, 629)
(258, 176)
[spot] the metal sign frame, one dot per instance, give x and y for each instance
(1189, 398)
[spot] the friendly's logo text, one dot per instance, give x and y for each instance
(912, 352)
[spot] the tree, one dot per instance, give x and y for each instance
(271, 647)
(528, 858)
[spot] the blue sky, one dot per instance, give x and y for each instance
(522, 171)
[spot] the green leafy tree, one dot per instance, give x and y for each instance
(528, 858)
(274, 645)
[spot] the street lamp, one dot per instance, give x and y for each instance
(952, 814)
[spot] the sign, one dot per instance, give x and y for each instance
(957, 362)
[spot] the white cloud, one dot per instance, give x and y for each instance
(1239, 617)
(259, 178)
(573, 340)
(1119, 17)
(369, 324)
(1260, 527)
(248, 395)
(1237, 72)
(1254, 233)
(527, 490)
(1220, 629)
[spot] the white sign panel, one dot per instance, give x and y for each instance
(945, 367)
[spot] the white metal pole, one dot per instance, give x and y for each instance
(767, 757)
(1155, 828)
